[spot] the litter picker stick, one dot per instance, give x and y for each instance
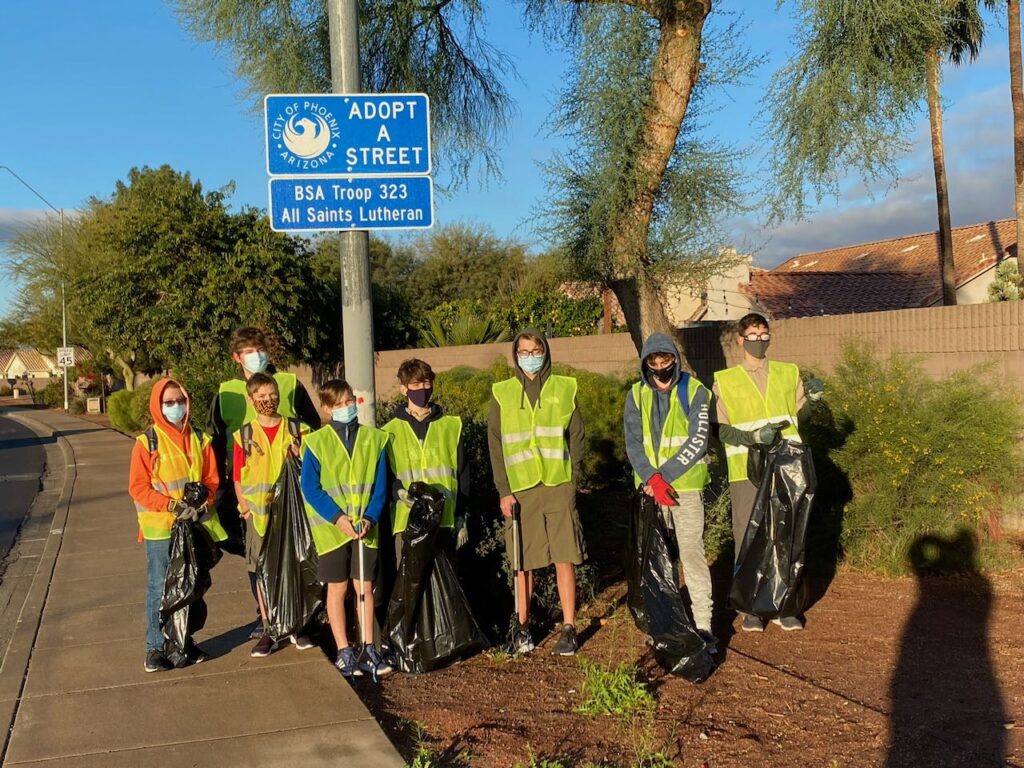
(362, 592)
(517, 555)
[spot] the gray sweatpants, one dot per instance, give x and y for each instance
(742, 495)
(687, 519)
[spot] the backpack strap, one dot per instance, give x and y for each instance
(245, 435)
(151, 438)
(294, 429)
(683, 392)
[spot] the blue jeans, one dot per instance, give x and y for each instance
(158, 554)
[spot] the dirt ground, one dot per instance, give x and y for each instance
(902, 672)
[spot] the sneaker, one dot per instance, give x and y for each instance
(346, 662)
(197, 655)
(302, 642)
(566, 645)
(788, 623)
(257, 630)
(522, 642)
(710, 641)
(372, 663)
(157, 662)
(264, 647)
(752, 623)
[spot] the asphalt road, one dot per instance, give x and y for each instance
(22, 458)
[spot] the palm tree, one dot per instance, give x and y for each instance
(962, 30)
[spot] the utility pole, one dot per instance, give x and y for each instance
(63, 259)
(356, 299)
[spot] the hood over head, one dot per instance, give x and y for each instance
(545, 371)
(156, 411)
(658, 342)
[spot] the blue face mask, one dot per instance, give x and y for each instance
(174, 412)
(255, 362)
(346, 414)
(531, 364)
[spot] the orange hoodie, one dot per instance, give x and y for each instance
(140, 475)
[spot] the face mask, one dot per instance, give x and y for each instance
(174, 412)
(664, 375)
(420, 397)
(346, 414)
(756, 349)
(531, 364)
(255, 362)
(267, 407)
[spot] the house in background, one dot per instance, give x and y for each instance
(25, 362)
(901, 273)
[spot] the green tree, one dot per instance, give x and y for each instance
(408, 46)
(1008, 284)
(640, 195)
(850, 98)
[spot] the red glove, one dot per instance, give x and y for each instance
(664, 493)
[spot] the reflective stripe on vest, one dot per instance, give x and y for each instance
(533, 439)
(748, 409)
(262, 469)
(236, 410)
(171, 470)
(674, 434)
(434, 461)
(347, 480)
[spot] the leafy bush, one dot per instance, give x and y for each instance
(119, 411)
(458, 323)
(616, 691)
(50, 396)
(5, 390)
(923, 457)
(556, 313)
(77, 406)
(140, 405)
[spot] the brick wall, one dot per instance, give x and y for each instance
(946, 338)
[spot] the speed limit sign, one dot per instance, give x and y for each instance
(66, 357)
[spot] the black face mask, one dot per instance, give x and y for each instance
(420, 397)
(664, 375)
(756, 349)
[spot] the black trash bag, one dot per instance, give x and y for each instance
(429, 622)
(768, 578)
(287, 564)
(654, 600)
(193, 555)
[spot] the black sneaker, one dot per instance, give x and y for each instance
(567, 644)
(257, 630)
(263, 648)
(197, 655)
(346, 662)
(157, 662)
(522, 642)
(710, 641)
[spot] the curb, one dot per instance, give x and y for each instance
(18, 657)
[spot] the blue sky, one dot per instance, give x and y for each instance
(92, 89)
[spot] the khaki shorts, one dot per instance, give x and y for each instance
(551, 530)
(253, 545)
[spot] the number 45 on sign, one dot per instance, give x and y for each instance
(66, 357)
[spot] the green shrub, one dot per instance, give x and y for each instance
(50, 396)
(140, 405)
(922, 457)
(554, 312)
(119, 411)
(77, 406)
(616, 691)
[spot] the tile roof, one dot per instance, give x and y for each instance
(6, 355)
(885, 274)
(35, 361)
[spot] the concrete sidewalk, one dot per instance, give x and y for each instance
(72, 678)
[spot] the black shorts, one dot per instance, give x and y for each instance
(342, 564)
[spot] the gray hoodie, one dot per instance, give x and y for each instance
(695, 447)
(531, 393)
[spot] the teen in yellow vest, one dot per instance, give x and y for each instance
(426, 446)
(753, 399)
(165, 458)
(665, 420)
(535, 436)
(261, 448)
(344, 485)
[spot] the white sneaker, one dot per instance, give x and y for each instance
(788, 623)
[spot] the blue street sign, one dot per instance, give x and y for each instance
(347, 134)
(387, 202)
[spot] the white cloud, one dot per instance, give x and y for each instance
(13, 220)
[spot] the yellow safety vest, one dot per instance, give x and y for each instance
(263, 464)
(348, 480)
(674, 435)
(171, 470)
(434, 461)
(236, 410)
(749, 409)
(533, 440)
